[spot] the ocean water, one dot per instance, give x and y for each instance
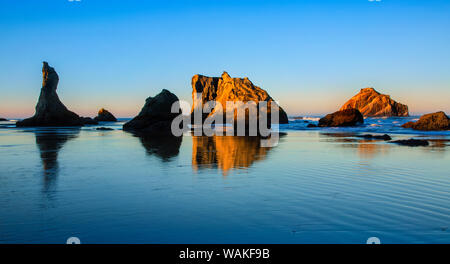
(316, 186)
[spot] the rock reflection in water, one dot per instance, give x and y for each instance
(366, 148)
(163, 147)
(49, 143)
(226, 152)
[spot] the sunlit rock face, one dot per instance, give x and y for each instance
(429, 122)
(50, 111)
(373, 104)
(223, 89)
(226, 152)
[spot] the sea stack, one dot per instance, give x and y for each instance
(155, 117)
(105, 115)
(344, 118)
(50, 111)
(223, 89)
(429, 122)
(374, 104)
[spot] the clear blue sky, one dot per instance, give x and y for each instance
(311, 56)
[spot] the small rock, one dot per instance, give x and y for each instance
(369, 136)
(104, 128)
(311, 125)
(412, 142)
(344, 118)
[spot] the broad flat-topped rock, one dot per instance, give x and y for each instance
(374, 104)
(50, 111)
(3, 119)
(224, 88)
(105, 115)
(429, 122)
(344, 118)
(155, 117)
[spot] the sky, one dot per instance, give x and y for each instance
(311, 56)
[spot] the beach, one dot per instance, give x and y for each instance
(318, 185)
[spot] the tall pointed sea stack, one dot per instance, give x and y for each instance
(374, 104)
(50, 111)
(224, 89)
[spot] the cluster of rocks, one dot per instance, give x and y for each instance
(155, 118)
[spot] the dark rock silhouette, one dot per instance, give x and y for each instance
(385, 137)
(344, 118)
(88, 121)
(311, 125)
(428, 122)
(105, 115)
(104, 128)
(372, 104)
(3, 119)
(412, 142)
(225, 88)
(155, 117)
(50, 111)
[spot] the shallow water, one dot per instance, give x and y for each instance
(315, 186)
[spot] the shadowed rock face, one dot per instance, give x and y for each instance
(50, 111)
(225, 88)
(435, 121)
(155, 117)
(3, 119)
(105, 115)
(344, 118)
(373, 104)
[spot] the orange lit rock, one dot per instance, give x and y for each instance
(373, 104)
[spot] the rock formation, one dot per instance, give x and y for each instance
(3, 119)
(225, 88)
(105, 115)
(373, 104)
(344, 118)
(49, 109)
(155, 117)
(435, 121)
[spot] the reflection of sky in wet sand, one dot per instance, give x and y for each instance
(311, 188)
